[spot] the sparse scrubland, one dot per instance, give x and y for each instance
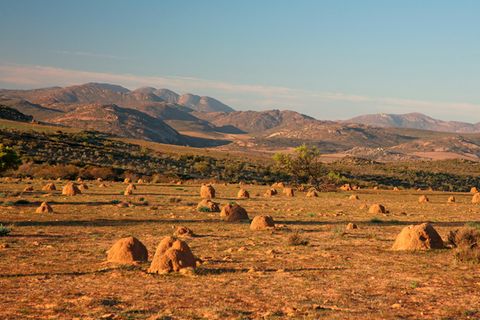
(65, 154)
(96, 227)
(325, 257)
(301, 189)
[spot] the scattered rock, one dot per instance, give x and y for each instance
(418, 237)
(207, 191)
(270, 192)
(243, 194)
(233, 213)
(123, 204)
(262, 223)
(209, 204)
(127, 251)
(70, 189)
(49, 187)
(278, 185)
(423, 199)
(377, 208)
(312, 194)
(129, 189)
(172, 255)
(363, 206)
(183, 232)
(351, 226)
(44, 208)
(476, 198)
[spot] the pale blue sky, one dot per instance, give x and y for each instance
(330, 59)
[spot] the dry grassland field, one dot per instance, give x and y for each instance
(53, 265)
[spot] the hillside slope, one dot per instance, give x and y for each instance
(255, 121)
(119, 121)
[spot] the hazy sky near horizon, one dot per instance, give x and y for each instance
(329, 59)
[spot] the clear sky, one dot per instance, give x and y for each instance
(329, 59)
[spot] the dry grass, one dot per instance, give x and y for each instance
(52, 265)
(467, 243)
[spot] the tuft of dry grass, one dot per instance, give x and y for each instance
(296, 239)
(174, 200)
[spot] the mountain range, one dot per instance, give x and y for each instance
(164, 116)
(415, 121)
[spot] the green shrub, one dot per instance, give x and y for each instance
(22, 202)
(4, 230)
(8, 158)
(376, 220)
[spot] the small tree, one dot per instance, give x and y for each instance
(8, 158)
(202, 167)
(303, 165)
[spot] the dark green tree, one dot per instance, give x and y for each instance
(8, 158)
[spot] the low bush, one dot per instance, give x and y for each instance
(4, 231)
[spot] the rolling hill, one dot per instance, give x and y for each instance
(119, 121)
(255, 121)
(8, 113)
(36, 111)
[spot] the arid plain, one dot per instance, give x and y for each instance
(53, 265)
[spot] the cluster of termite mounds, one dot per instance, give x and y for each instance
(174, 254)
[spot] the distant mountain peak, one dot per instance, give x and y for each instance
(414, 120)
(203, 103)
(103, 86)
(106, 93)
